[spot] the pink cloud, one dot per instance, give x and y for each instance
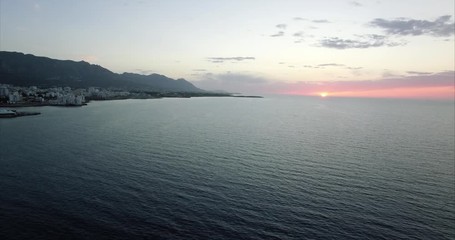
(439, 85)
(430, 86)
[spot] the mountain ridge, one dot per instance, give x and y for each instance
(22, 69)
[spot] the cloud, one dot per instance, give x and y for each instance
(309, 66)
(199, 70)
(362, 41)
(321, 21)
(298, 34)
(390, 74)
(281, 26)
(354, 68)
(301, 36)
(311, 20)
(441, 27)
(241, 78)
(330, 65)
(436, 85)
(235, 78)
(418, 73)
(278, 34)
(355, 4)
(224, 59)
(442, 79)
(232, 82)
(323, 65)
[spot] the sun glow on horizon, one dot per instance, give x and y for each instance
(408, 92)
(437, 92)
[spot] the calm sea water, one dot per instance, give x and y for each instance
(230, 168)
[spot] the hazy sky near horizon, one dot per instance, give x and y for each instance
(264, 46)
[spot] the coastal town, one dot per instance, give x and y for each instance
(33, 96)
(30, 96)
(16, 96)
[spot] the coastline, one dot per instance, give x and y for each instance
(25, 104)
(11, 113)
(44, 104)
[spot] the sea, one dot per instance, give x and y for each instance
(279, 167)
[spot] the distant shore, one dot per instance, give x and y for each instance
(43, 104)
(249, 96)
(31, 104)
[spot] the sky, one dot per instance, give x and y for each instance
(396, 48)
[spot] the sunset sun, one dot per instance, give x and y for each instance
(323, 94)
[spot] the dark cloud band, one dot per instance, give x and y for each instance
(441, 27)
(363, 41)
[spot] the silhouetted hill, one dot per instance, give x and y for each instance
(27, 70)
(161, 82)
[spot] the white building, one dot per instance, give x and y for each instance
(14, 97)
(4, 91)
(68, 99)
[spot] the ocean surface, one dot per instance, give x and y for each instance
(230, 168)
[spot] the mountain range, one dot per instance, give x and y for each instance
(21, 69)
